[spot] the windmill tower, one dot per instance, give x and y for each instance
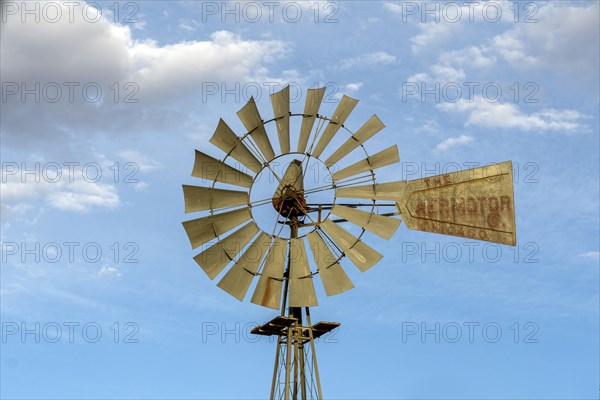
(264, 212)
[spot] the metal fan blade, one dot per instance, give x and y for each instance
(216, 257)
(364, 133)
(281, 110)
(301, 287)
(238, 279)
(311, 109)
(333, 276)
(476, 203)
(380, 225)
(251, 119)
(211, 169)
(378, 160)
(380, 191)
(202, 230)
(198, 198)
(361, 255)
(340, 114)
(225, 139)
(268, 289)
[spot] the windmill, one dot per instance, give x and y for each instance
(326, 217)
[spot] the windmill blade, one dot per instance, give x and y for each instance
(209, 168)
(198, 198)
(225, 139)
(380, 225)
(202, 230)
(332, 274)
(216, 257)
(301, 287)
(238, 279)
(251, 119)
(364, 133)
(281, 110)
(476, 203)
(379, 191)
(268, 289)
(311, 109)
(361, 255)
(340, 114)
(378, 160)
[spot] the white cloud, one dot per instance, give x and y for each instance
(593, 255)
(107, 271)
(453, 142)
(81, 196)
(484, 113)
(376, 58)
(471, 56)
(353, 87)
(431, 33)
(21, 196)
(565, 39)
(103, 53)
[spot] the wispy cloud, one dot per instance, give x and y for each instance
(485, 113)
(377, 58)
(449, 143)
(592, 255)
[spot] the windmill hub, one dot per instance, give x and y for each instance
(290, 203)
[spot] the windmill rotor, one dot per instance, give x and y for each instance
(258, 189)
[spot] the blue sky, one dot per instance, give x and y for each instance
(169, 71)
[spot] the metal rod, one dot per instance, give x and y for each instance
(314, 354)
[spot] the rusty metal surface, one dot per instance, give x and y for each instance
(476, 203)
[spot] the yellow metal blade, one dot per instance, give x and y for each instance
(216, 257)
(225, 139)
(238, 279)
(293, 177)
(380, 225)
(361, 255)
(311, 108)
(380, 191)
(268, 289)
(198, 198)
(251, 119)
(333, 276)
(281, 110)
(367, 131)
(202, 230)
(209, 168)
(378, 160)
(476, 203)
(301, 288)
(340, 114)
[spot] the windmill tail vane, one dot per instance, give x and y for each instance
(289, 232)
